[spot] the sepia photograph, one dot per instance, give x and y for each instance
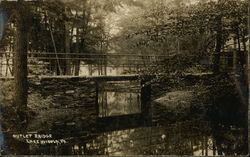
(124, 77)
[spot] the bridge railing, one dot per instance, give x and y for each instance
(50, 63)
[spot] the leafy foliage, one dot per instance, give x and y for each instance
(178, 28)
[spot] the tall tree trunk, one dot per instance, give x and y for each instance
(244, 40)
(217, 54)
(248, 66)
(240, 53)
(238, 39)
(20, 66)
(77, 61)
(244, 53)
(67, 49)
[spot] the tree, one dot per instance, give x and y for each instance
(20, 62)
(219, 32)
(198, 30)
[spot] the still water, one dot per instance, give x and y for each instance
(119, 98)
(122, 124)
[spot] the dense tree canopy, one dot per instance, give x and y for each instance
(166, 39)
(161, 27)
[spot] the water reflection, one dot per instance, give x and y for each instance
(121, 98)
(124, 124)
(172, 139)
(182, 139)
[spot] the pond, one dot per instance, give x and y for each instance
(126, 122)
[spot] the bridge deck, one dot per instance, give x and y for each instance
(102, 77)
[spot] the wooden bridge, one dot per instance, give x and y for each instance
(99, 78)
(85, 64)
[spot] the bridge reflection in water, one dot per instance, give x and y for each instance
(119, 98)
(126, 122)
(123, 104)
